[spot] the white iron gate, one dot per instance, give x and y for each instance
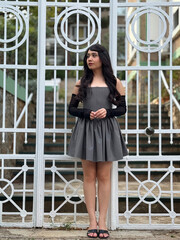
(45, 40)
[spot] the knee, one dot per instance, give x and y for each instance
(90, 178)
(103, 177)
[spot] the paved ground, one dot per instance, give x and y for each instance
(48, 234)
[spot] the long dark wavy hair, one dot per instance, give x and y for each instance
(107, 71)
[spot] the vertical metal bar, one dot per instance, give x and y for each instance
(39, 160)
(65, 100)
(149, 80)
(126, 79)
(77, 54)
(171, 82)
(53, 188)
(2, 167)
(15, 92)
(137, 93)
(100, 21)
(160, 115)
(113, 207)
(4, 80)
(1, 210)
(160, 105)
(27, 73)
(88, 25)
(171, 189)
(55, 74)
(2, 176)
(24, 188)
(150, 219)
(77, 39)
(127, 191)
(137, 109)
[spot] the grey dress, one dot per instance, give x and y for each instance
(97, 140)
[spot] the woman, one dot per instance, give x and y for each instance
(96, 138)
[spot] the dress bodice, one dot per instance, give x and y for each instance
(97, 97)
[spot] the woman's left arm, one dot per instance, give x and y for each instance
(121, 107)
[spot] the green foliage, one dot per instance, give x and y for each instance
(175, 80)
(21, 52)
(68, 225)
(105, 22)
(121, 75)
(62, 93)
(121, 44)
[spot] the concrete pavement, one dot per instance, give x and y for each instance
(51, 234)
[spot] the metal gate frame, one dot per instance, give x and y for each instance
(40, 158)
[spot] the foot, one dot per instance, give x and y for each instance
(92, 231)
(103, 234)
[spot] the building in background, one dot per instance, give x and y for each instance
(152, 27)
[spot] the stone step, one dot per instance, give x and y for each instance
(69, 207)
(134, 195)
(132, 115)
(133, 186)
(131, 139)
(131, 125)
(132, 153)
(154, 107)
(121, 164)
(67, 173)
(143, 147)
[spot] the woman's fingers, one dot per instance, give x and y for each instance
(101, 113)
(92, 115)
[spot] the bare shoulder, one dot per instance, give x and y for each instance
(76, 87)
(120, 87)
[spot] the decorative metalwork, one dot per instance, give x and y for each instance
(13, 190)
(41, 185)
(150, 46)
(65, 15)
(6, 184)
(72, 189)
(22, 21)
(150, 192)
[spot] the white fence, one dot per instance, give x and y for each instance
(42, 186)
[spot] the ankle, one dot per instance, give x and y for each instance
(102, 223)
(93, 222)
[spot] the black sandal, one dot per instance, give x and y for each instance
(103, 232)
(92, 231)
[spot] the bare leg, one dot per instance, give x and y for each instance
(104, 188)
(89, 172)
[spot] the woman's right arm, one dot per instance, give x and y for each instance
(73, 105)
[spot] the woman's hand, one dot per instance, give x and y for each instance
(100, 113)
(92, 115)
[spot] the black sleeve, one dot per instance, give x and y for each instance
(120, 110)
(78, 112)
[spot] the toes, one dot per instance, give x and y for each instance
(103, 235)
(92, 234)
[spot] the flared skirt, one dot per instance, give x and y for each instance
(97, 140)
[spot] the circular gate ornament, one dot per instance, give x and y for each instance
(21, 20)
(72, 190)
(6, 190)
(150, 44)
(64, 15)
(144, 191)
